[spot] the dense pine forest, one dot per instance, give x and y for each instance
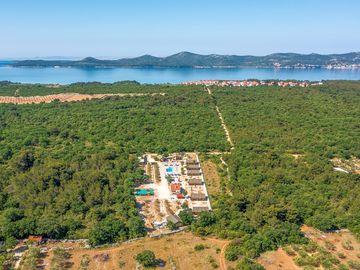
(280, 171)
(68, 169)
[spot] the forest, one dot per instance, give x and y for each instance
(280, 171)
(68, 169)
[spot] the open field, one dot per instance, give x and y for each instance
(212, 176)
(65, 97)
(179, 248)
(276, 260)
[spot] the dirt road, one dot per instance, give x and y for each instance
(222, 257)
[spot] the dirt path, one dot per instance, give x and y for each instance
(227, 133)
(228, 138)
(222, 257)
(67, 97)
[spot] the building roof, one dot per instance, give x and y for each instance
(193, 172)
(193, 167)
(35, 238)
(175, 187)
(191, 161)
(173, 218)
(198, 196)
(195, 181)
(198, 209)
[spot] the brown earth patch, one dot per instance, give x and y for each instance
(212, 177)
(178, 248)
(277, 260)
(66, 97)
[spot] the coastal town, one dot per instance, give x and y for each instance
(252, 83)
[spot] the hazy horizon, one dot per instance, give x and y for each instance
(119, 57)
(77, 29)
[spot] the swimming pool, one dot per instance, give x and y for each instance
(169, 170)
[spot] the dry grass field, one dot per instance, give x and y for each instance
(178, 248)
(66, 97)
(212, 176)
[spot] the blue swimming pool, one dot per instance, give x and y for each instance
(169, 170)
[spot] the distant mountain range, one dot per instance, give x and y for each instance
(187, 59)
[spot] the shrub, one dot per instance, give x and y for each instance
(341, 255)
(232, 252)
(354, 265)
(248, 264)
(343, 267)
(58, 261)
(311, 247)
(121, 264)
(330, 246)
(84, 262)
(289, 251)
(199, 247)
(212, 262)
(146, 258)
(347, 245)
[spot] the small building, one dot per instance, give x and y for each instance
(195, 182)
(174, 219)
(192, 162)
(198, 197)
(38, 239)
(177, 157)
(193, 167)
(193, 172)
(175, 187)
(199, 209)
(180, 196)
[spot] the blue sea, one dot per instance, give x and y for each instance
(164, 75)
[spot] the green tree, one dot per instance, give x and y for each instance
(146, 258)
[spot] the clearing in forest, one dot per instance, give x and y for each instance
(178, 250)
(66, 97)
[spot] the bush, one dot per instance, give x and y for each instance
(232, 252)
(186, 217)
(330, 246)
(348, 245)
(248, 264)
(343, 267)
(213, 262)
(84, 262)
(311, 247)
(289, 251)
(341, 255)
(146, 258)
(354, 265)
(199, 247)
(31, 258)
(59, 259)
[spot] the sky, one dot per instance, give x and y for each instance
(128, 28)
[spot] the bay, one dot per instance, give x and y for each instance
(165, 75)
